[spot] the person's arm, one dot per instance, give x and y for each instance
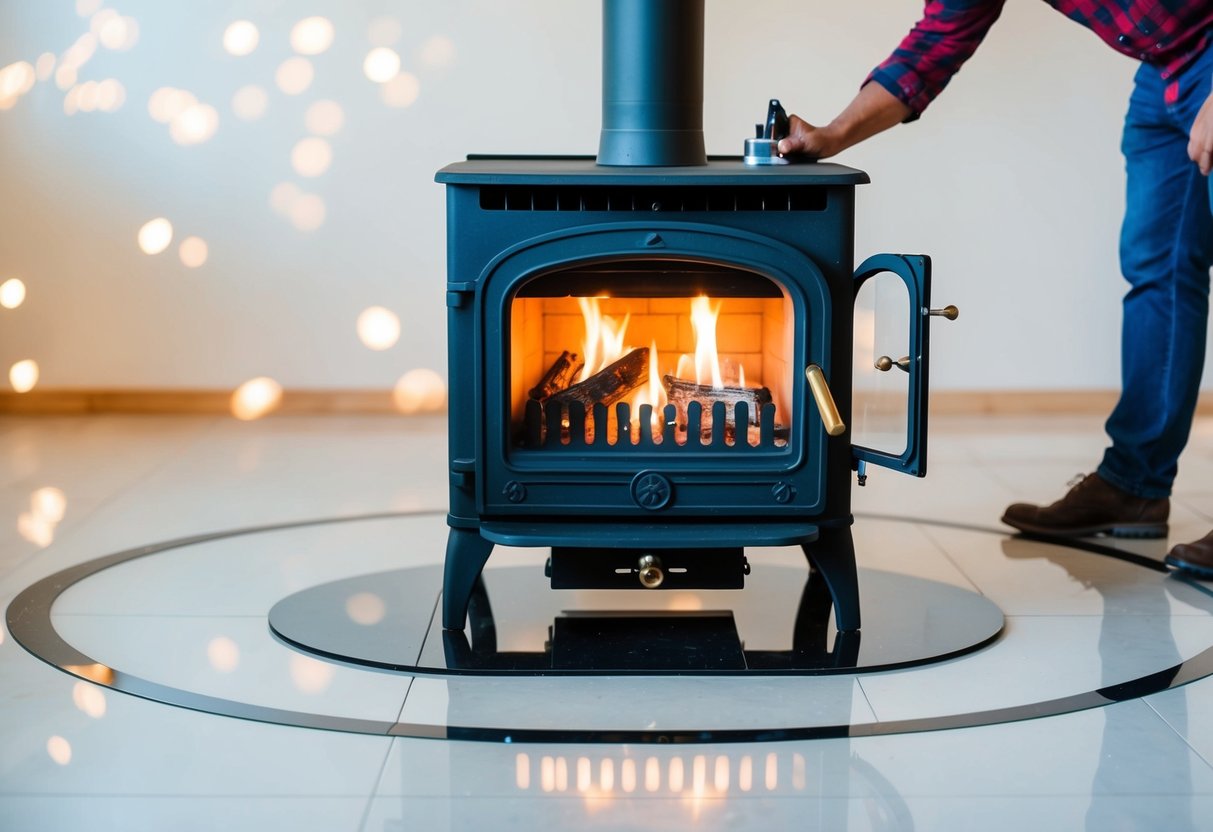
(1200, 140)
(901, 88)
(874, 110)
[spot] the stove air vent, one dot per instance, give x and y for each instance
(648, 200)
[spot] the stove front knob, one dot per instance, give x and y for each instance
(651, 574)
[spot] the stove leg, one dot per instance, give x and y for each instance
(833, 555)
(466, 554)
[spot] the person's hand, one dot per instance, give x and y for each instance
(804, 139)
(1200, 142)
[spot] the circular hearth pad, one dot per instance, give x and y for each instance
(781, 623)
(143, 621)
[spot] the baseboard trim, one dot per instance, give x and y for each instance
(378, 402)
(190, 402)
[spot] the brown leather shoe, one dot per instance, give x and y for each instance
(1194, 558)
(1093, 506)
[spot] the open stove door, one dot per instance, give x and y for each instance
(892, 340)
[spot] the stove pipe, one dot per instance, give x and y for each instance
(652, 83)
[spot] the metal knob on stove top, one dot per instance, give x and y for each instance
(763, 149)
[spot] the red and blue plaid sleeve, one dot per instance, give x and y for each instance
(948, 34)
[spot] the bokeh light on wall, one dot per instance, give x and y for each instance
(312, 35)
(111, 95)
(23, 376)
(79, 53)
(381, 64)
(240, 38)
(294, 75)
(311, 156)
(167, 103)
(384, 31)
(15, 81)
(324, 118)
(115, 31)
(307, 212)
(283, 196)
(106, 96)
(86, 8)
(44, 67)
(59, 749)
(378, 328)
(12, 293)
(438, 52)
(223, 654)
(195, 124)
(402, 90)
(193, 252)
(65, 76)
(419, 391)
(155, 235)
(256, 398)
(249, 102)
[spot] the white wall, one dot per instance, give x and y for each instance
(1012, 182)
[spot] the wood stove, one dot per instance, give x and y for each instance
(650, 353)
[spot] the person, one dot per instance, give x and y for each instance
(1166, 247)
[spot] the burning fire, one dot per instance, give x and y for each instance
(707, 359)
(605, 342)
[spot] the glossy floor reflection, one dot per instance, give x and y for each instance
(79, 756)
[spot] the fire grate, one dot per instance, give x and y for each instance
(565, 427)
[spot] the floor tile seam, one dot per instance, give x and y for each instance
(73, 529)
(867, 700)
(1182, 738)
(925, 530)
(378, 779)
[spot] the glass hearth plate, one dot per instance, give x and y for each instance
(781, 623)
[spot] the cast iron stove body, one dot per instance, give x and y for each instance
(642, 357)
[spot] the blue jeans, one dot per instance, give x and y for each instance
(1166, 250)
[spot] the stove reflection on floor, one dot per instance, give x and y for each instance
(781, 624)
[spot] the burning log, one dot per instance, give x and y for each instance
(558, 377)
(609, 384)
(681, 393)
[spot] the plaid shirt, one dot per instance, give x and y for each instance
(1166, 33)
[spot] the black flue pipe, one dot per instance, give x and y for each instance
(652, 83)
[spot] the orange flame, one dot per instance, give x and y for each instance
(605, 342)
(603, 338)
(707, 359)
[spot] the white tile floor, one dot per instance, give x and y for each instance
(73, 755)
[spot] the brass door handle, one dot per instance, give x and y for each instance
(830, 417)
(950, 312)
(884, 364)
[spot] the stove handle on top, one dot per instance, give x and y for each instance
(915, 272)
